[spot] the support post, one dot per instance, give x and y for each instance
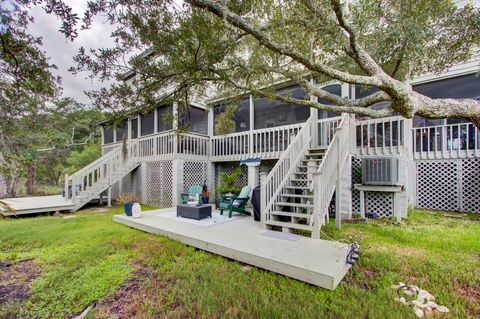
(263, 198)
(65, 188)
(109, 196)
(338, 188)
(177, 180)
(251, 125)
(316, 207)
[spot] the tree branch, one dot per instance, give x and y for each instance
(235, 20)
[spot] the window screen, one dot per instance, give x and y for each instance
(270, 113)
(467, 86)
(195, 119)
(165, 118)
(147, 123)
(364, 91)
(334, 89)
(241, 115)
(107, 134)
(121, 130)
(134, 128)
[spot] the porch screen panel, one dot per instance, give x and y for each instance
(195, 119)
(121, 130)
(454, 137)
(467, 86)
(165, 118)
(241, 117)
(270, 113)
(134, 128)
(107, 134)
(147, 123)
(334, 89)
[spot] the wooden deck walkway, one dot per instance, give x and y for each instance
(38, 204)
(318, 262)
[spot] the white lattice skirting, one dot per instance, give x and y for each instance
(159, 184)
(449, 185)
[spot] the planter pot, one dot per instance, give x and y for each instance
(128, 209)
(136, 210)
(205, 199)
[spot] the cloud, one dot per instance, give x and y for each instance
(61, 50)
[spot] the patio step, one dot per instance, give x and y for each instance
(289, 225)
(289, 214)
(303, 205)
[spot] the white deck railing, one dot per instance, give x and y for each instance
(283, 170)
(384, 136)
(326, 130)
(446, 141)
(265, 143)
(326, 178)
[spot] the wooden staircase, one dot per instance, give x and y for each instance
(297, 192)
(97, 177)
(295, 203)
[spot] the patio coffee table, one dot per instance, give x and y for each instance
(194, 212)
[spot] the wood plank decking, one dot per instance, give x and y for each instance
(318, 262)
(38, 204)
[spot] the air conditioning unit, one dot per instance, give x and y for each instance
(380, 171)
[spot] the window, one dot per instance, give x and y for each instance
(147, 123)
(271, 113)
(334, 89)
(467, 86)
(241, 117)
(107, 134)
(165, 118)
(121, 130)
(195, 119)
(134, 128)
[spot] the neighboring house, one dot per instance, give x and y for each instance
(312, 165)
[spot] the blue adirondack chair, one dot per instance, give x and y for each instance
(194, 194)
(235, 203)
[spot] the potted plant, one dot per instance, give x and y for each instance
(228, 183)
(205, 194)
(127, 199)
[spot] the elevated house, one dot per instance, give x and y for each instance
(308, 156)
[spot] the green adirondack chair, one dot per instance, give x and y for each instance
(235, 203)
(193, 192)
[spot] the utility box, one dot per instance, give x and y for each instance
(380, 171)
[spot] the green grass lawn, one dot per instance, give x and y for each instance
(129, 273)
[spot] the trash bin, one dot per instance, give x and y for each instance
(256, 203)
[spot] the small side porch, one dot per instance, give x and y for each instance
(318, 262)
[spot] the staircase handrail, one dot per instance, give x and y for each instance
(97, 161)
(285, 166)
(324, 178)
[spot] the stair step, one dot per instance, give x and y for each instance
(296, 195)
(297, 187)
(294, 204)
(300, 180)
(312, 160)
(316, 150)
(288, 214)
(289, 225)
(314, 155)
(307, 166)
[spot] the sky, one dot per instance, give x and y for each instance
(61, 50)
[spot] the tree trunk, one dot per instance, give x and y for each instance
(30, 183)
